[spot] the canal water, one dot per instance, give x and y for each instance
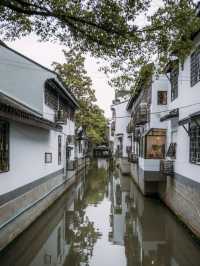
(103, 220)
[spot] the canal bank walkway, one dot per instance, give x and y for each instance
(103, 220)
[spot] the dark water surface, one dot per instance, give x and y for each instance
(103, 220)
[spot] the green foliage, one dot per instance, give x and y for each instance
(101, 27)
(89, 116)
(143, 78)
(108, 29)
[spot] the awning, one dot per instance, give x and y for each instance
(190, 118)
(171, 114)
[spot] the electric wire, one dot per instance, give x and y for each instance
(159, 112)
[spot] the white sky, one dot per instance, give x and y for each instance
(46, 52)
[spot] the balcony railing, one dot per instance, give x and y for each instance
(167, 167)
(60, 117)
(136, 134)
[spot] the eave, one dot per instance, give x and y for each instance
(10, 112)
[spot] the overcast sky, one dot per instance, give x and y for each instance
(45, 53)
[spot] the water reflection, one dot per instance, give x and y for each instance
(104, 221)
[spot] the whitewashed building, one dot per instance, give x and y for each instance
(148, 133)
(182, 163)
(118, 134)
(37, 141)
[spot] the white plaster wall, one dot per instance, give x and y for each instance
(27, 150)
(160, 83)
(22, 79)
(149, 164)
(188, 102)
(121, 122)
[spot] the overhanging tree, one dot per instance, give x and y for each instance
(89, 116)
(108, 29)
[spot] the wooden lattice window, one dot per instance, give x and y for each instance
(59, 149)
(4, 146)
(51, 97)
(174, 82)
(162, 97)
(195, 144)
(64, 106)
(195, 67)
(172, 151)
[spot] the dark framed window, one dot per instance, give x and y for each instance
(172, 151)
(55, 101)
(59, 149)
(195, 144)
(174, 82)
(4, 146)
(51, 97)
(48, 157)
(162, 97)
(195, 67)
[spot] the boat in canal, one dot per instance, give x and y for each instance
(104, 220)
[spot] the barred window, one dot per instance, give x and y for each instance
(195, 67)
(4, 146)
(162, 97)
(48, 157)
(195, 144)
(174, 83)
(59, 149)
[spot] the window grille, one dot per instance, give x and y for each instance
(59, 149)
(195, 67)
(64, 107)
(172, 151)
(162, 97)
(51, 98)
(4, 146)
(174, 83)
(195, 144)
(48, 157)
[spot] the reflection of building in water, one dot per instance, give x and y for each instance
(118, 192)
(55, 249)
(49, 240)
(153, 237)
(102, 163)
(45, 242)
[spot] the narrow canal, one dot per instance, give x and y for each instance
(103, 220)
